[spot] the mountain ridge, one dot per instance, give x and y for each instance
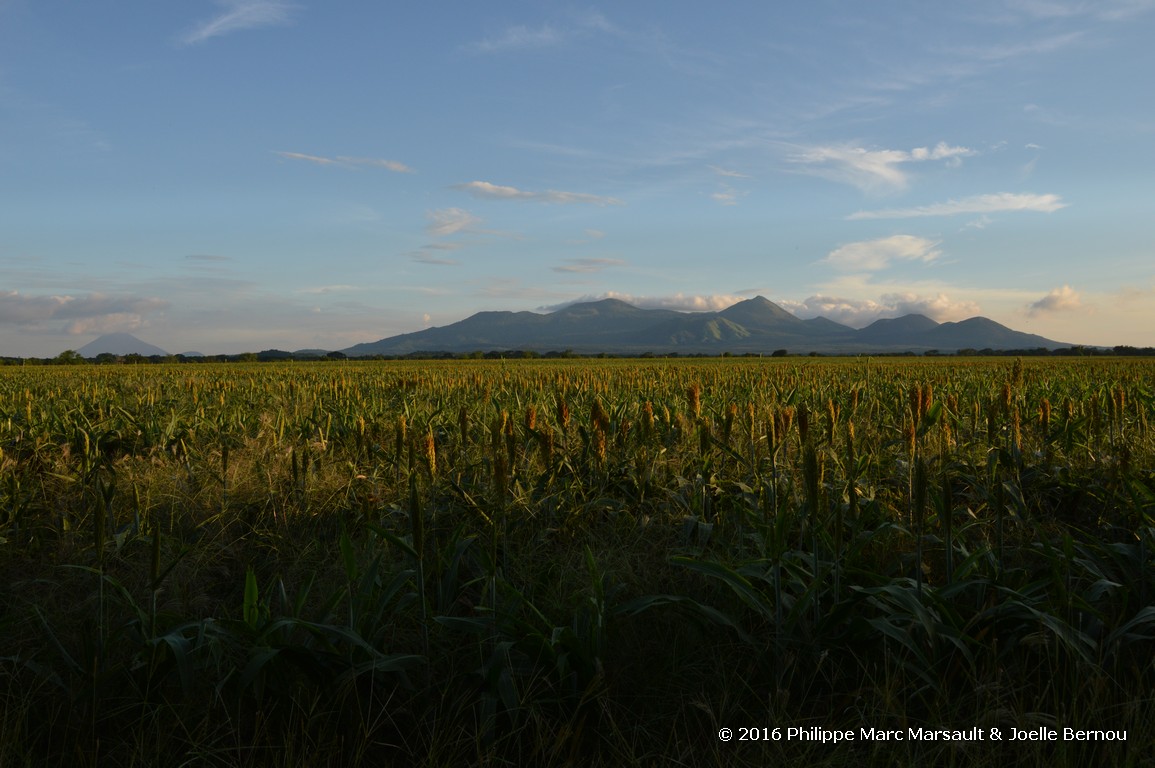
(757, 325)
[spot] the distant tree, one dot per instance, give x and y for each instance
(778, 353)
(106, 358)
(69, 357)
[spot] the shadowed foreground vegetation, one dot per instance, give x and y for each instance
(576, 562)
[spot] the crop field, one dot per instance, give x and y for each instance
(579, 562)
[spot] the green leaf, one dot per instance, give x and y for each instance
(251, 610)
(348, 557)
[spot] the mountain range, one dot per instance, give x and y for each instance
(756, 326)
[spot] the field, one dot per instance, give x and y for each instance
(578, 562)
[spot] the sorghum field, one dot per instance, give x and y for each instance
(577, 562)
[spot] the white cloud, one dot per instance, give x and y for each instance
(588, 265)
(982, 204)
(348, 162)
(487, 191)
(1064, 299)
(450, 221)
(859, 313)
(871, 170)
(872, 255)
(79, 314)
(117, 322)
(941, 151)
(239, 15)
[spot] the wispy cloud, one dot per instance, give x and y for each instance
(727, 195)
(1065, 299)
(522, 37)
(727, 172)
(590, 236)
(422, 257)
(870, 170)
(348, 162)
(518, 37)
(873, 255)
(427, 254)
(1111, 10)
(207, 257)
(324, 290)
(1001, 202)
(487, 191)
(588, 265)
(1002, 52)
(450, 221)
(239, 15)
(513, 288)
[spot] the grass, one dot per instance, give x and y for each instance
(574, 562)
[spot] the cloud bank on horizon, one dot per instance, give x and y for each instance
(232, 175)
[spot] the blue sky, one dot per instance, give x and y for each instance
(232, 175)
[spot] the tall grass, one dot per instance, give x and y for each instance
(573, 562)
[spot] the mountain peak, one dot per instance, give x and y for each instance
(119, 344)
(600, 306)
(758, 311)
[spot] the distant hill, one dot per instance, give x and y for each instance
(119, 344)
(756, 325)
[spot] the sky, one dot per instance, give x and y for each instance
(225, 176)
